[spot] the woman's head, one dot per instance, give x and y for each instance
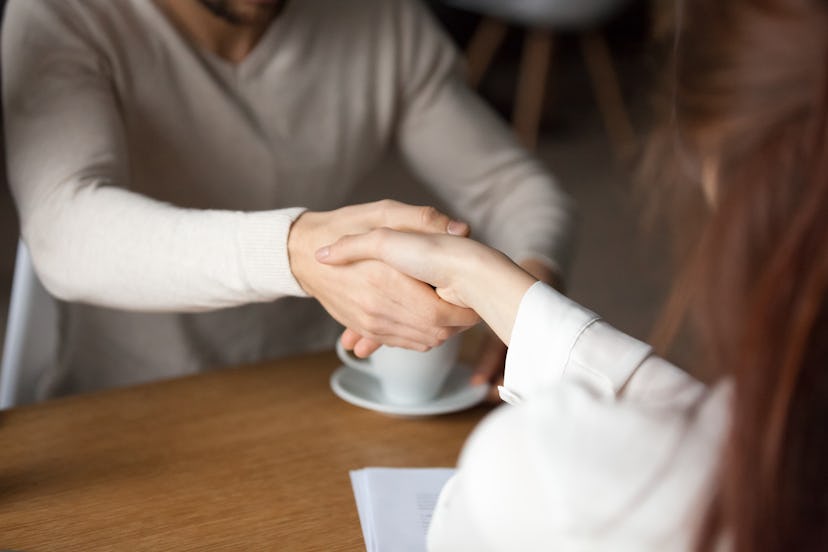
(750, 98)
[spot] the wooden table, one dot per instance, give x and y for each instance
(252, 458)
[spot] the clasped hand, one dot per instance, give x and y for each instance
(463, 272)
(377, 303)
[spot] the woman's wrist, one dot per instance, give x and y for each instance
(491, 284)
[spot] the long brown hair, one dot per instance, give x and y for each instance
(749, 95)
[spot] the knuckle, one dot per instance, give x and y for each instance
(441, 334)
(431, 315)
(373, 327)
(386, 208)
(372, 307)
(365, 343)
(421, 347)
(429, 215)
(365, 322)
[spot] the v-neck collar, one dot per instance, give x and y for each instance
(262, 51)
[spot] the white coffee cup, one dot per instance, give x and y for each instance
(407, 377)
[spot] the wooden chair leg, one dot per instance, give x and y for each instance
(482, 47)
(534, 66)
(608, 95)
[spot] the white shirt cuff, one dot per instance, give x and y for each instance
(545, 331)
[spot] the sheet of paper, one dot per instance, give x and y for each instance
(395, 505)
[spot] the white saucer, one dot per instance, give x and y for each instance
(360, 389)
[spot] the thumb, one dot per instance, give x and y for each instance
(410, 218)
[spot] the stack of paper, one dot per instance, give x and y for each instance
(395, 505)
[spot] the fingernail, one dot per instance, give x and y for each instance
(323, 253)
(457, 228)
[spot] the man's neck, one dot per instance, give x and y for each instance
(220, 33)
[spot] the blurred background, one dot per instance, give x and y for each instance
(621, 268)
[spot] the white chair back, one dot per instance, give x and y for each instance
(31, 341)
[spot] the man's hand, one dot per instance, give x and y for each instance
(378, 304)
(491, 359)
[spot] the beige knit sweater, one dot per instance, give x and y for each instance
(154, 179)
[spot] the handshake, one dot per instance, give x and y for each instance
(406, 276)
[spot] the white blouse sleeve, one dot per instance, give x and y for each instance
(556, 339)
(607, 447)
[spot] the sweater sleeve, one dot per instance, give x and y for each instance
(91, 238)
(556, 339)
(469, 158)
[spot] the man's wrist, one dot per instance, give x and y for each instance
(298, 246)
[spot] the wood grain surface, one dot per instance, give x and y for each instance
(251, 458)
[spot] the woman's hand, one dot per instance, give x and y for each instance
(463, 272)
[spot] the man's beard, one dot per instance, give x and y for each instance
(222, 10)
